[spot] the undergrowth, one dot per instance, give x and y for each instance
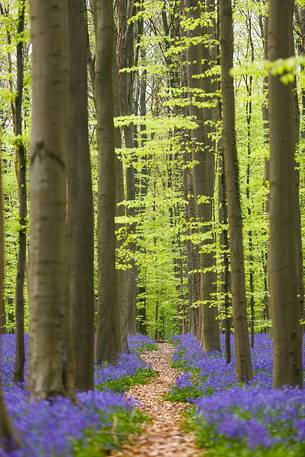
(142, 376)
(121, 425)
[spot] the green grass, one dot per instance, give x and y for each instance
(147, 347)
(183, 395)
(142, 376)
(217, 445)
(100, 443)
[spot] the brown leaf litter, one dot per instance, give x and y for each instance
(164, 436)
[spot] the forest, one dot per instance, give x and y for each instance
(152, 228)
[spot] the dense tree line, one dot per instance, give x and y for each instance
(161, 158)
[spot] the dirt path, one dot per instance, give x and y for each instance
(163, 437)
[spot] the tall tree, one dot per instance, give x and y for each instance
(108, 339)
(49, 342)
(22, 197)
(283, 258)
(80, 203)
(242, 348)
(199, 60)
(126, 58)
(224, 240)
(122, 275)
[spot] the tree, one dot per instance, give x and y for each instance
(199, 62)
(283, 259)
(80, 204)
(49, 373)
(242, 349)
(22, 197)
(108, 338)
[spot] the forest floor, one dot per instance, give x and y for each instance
(164, 435)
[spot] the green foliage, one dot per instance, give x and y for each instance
(142, 376)
(121, 426)
(154, 229)
(219, 446)
(190, 391)
(147, 347)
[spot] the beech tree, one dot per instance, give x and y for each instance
(22, 197)
(80, 203)
(49, 340)
(199, 60)
(283, 255)
(242, 348)
(108, 338)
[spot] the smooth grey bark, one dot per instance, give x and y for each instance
(300, 20)
(199, 58)
(141, 182)
(108, 339)
(191, 253)
(283, 264)
(49, 371)
(249, 87)
(80, 204)
(21, 171)
(224, 240)
(242, 348)
(126, 58)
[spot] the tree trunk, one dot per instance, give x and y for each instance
(122, 275)
(80, 204)
(22, 199)
(48, 370)
(126, 84)
(283, 264)
(224, 242)
(108, 342)
(263, 21)
(242, 349)
(192, 253)
(203, 181)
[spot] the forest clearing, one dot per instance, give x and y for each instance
(152, 225)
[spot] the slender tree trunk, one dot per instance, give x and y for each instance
(203, 181)
(122, 275)
(265, 114)
(283, 263)
(249, 211)
(299, 241)
(80, 204)
(108, 340)
(22, 198)
(141, 316)
(191, 250)
(242, 349)
(142, 183)
(126, 84)
(300, 19)
(48, 370)
(249, 85)
(224, 242)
